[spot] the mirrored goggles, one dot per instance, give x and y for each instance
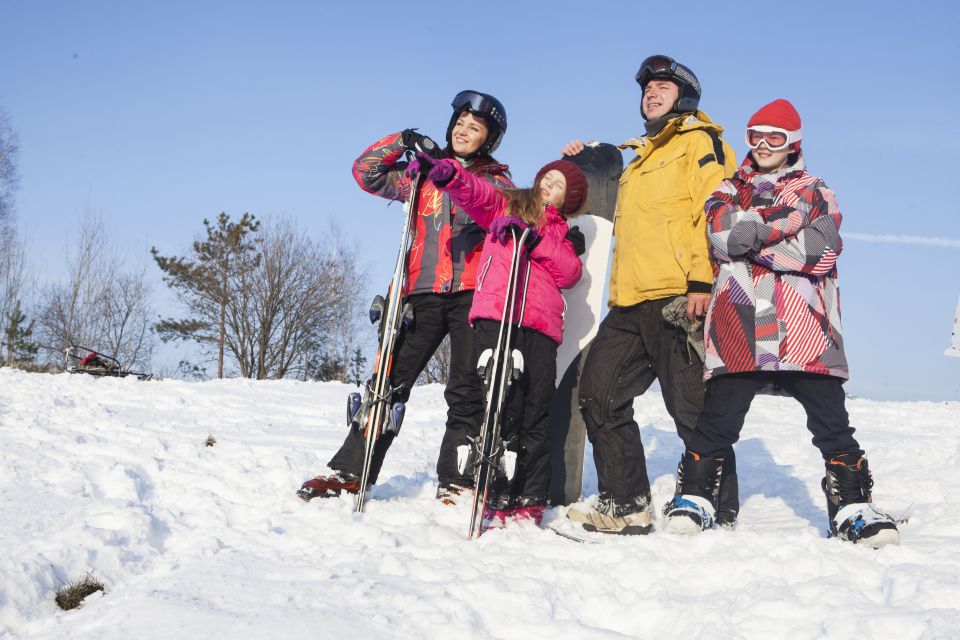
(477, 103)
(655, 65)
(775, 138)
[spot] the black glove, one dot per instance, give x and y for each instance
(413, 141)
(575, 236)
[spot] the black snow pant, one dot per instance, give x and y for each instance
(525, 425)
(435, 315)
(635, 346)
(729, 396)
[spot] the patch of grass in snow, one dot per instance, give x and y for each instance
(71, 595)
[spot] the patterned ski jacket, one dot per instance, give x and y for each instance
(551, 266)
(661, 241)
(445, 250)
(776, 304)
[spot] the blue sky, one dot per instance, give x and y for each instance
(156, 115)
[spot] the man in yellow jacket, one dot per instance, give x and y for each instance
(661, 268)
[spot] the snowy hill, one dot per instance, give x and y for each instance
(112, 476)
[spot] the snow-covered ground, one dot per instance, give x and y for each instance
(112, 476)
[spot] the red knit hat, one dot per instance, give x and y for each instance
(575, 199)
(779, 113)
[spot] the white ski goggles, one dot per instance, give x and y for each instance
(775, 138)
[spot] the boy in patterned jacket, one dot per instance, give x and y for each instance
(774, 318)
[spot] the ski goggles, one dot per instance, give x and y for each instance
(655, 65)
(481, 104)
(775, 138)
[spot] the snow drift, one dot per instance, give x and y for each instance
(112, 476)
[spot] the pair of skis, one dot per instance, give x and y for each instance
(498, 368)
(376, 411)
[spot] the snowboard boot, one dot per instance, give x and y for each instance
(694, 507)
(728, 504)
(449, 494)
(847, 486)
(628, 518)
(329, 486)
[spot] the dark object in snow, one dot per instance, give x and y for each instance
(70, 596)
(210, 441)
(100, 365)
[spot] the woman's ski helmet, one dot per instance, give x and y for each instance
(488, 108)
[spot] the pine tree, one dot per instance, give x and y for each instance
(20, 349)
(357, 365)
(209, 280)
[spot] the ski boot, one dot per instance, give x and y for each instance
(694, 507)
(496, 511)
(329, 486)
(449, 494)
(529, 509)
(847, 486)
(627, 518)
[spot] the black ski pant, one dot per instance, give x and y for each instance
(435, 316)
(525, 424)
(729, 396)
(635, 346)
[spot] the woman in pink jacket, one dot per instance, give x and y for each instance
(549, 263)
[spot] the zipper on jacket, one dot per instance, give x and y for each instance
(483, 273)
(523, 305)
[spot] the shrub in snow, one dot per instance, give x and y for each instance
(71, 595)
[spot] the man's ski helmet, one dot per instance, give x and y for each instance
(488, 108)
(667, 68)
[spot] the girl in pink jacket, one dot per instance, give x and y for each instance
(549, 263)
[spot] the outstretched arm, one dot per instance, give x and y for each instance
(477, 197)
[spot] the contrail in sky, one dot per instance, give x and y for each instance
(901, 239)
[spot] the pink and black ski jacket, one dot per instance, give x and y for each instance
(553, 264)
(776, 303)
(445, 250)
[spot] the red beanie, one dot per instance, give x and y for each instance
(575, 198)
(779, 113)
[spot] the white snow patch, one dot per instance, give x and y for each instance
(112, 476)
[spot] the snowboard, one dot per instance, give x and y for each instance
(954, 348)
(602, 164)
